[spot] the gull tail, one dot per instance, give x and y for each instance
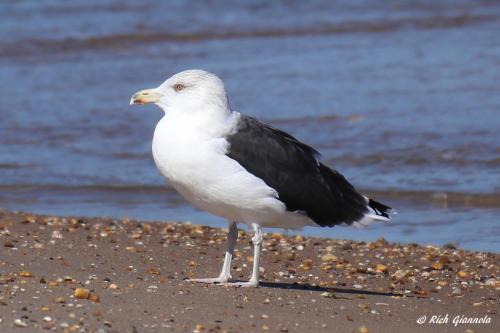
(376, 212)
(381, 211)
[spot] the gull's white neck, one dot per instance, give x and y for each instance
(196, 124)
(184, 144)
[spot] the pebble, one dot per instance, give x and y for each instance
(399, 275)
(363, 329)
(56, 234)
(154, 271)
(490, 282)
(25, 274)
(327, 294)
(152, 288)
(329, 258)
(437, 265)
(443, 283)
(199, 328)
(94, 298)
(60, 300)
(20, 323)
(299, 238)
(81, 293)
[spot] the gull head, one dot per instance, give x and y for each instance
(187, 91)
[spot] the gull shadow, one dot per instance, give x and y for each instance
(308, 287)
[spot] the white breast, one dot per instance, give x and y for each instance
(195, 164)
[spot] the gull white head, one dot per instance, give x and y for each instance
(189, 92)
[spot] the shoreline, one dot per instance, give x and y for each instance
(134, 273)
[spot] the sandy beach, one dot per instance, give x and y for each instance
(72, 274)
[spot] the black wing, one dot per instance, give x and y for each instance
(291, 168)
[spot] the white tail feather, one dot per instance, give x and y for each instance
(369, 218)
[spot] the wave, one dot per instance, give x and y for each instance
(301, 121)
(412, 197)
(410, 158)
(27, 47)
(87, 188)
(441, 198)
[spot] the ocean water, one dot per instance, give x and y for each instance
(403, 99)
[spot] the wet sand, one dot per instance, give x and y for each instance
(70, 274)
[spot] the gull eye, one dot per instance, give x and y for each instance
(178, 87)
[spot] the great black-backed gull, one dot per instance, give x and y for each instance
(236, 167)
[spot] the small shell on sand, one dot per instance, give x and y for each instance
(81, 293)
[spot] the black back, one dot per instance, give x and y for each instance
(291, 168)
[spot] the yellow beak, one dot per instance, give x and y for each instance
(145, 97)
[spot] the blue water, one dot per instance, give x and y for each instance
(401, 98)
